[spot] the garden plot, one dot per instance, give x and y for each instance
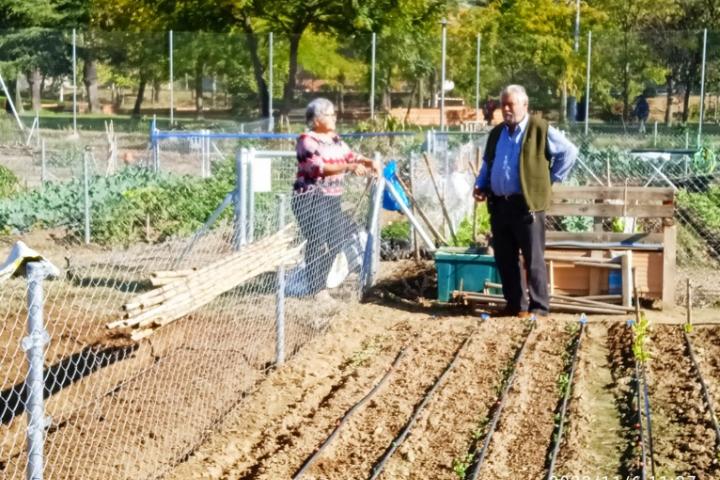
(683, 436)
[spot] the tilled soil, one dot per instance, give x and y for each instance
(683, 436)
(439, 442)
(369, 433)
(519, 447)
(594, 437)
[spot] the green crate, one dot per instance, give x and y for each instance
(464, 267)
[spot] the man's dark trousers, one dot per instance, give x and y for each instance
(515, 230)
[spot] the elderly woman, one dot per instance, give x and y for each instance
(323, 161)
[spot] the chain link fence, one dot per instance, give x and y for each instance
(148, 337)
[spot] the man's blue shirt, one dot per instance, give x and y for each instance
(505, 176)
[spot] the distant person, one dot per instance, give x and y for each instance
(641, 111)
(524, 156)
(323, 160)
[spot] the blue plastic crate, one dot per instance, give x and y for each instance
(466, 268)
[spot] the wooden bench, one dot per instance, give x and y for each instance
(581, 263)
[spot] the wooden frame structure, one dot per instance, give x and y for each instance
(580, 263)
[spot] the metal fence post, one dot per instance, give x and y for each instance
(587, 86)
(74, 67)
(477, 78)
(251, 197)
(240, 199)
(372, 76)
(155, 142)
(702, 89)
(371, 256)
(655, 133)
(172, 88)
(442, 74)
(34, 346)
(280, 302)
(86, 192)
(271, 119)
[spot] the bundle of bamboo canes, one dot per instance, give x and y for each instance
(183, 291)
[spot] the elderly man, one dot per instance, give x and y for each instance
(523, 157)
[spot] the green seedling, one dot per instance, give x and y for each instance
(460, 465)
(563, 383)
(688, 327)
(641, 330)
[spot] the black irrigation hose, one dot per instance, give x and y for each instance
(648, 415)
(644, 404)
(563, 409)
(705, 390)
(398, 440)
(311, 459)
(643, 474)
(479, 459)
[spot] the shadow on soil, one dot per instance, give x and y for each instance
(13, 401)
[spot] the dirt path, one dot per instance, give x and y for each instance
(519, 447)
(593, 441)
(683, 436)
(439, 442)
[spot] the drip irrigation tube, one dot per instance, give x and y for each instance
(648, 415)
(311, 459)
(479, 456)
(566, 397)
(705, 390)
(400, 438)
(643, 404)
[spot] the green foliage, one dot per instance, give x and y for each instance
(133, 205)
(396, 231)
(464, 231)
(8, 182)
(704, 161)
(641, 331)
(704, 206)
(460, 465)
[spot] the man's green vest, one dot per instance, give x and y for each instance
(534, 162)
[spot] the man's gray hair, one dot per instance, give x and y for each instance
(517, 90)
(317, 107)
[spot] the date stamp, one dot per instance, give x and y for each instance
(621, 477)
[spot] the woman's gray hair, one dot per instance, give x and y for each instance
(517, 90)
(317, 107)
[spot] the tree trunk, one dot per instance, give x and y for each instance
(258, 69)
(18, 96)
(669, 100)
(341, 99)
(199, 68)
(686, 98)
(626, 91)
(156, 91)
(289, 92)
(90, 80)
(140, 97)
(34, 78)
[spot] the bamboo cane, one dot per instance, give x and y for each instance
(440, 199)
(192, 293)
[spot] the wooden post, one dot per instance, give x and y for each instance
(551, 276)
(669, 258)
(627, 278)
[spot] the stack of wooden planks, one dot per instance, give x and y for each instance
(181, 292)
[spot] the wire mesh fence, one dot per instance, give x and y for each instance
(195, 325)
